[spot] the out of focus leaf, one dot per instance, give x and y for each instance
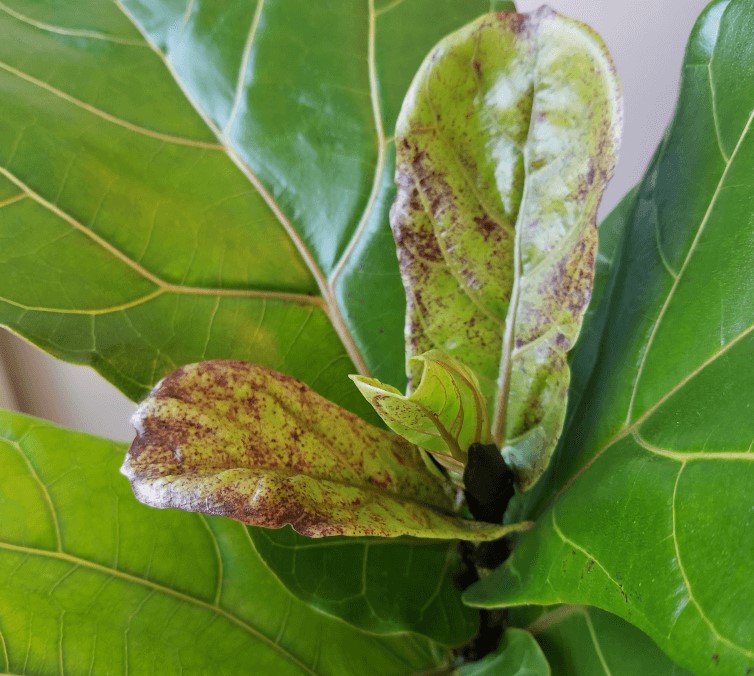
(94, 582)
(519, 654)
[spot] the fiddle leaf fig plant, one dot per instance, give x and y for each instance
(204, 202)
(246, 442)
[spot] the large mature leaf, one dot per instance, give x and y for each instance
(654, 516)
(158, 218)
(511, 127)
(239, 440)
(445, 413)
(95, 582)
(582, 641)
(137, 236)
(518, 655)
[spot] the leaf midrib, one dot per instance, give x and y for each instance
(326, 287)
(498, 430)
(326, 299)
(380, 494)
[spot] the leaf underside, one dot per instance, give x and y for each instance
(578, 640)
(651, 493)
(504, 145)
(238, 440)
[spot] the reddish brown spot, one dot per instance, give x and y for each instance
(516, 22)
(486, 225)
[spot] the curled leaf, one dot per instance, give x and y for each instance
(240, 440)
(445, 413)
(505, 142)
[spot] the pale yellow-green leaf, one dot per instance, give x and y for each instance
(445, 413)
(504, 145)
(240, 440)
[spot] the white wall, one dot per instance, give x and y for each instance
(646, 38)
(73, 396)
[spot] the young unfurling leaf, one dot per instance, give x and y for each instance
(240, 440)
(445, 413)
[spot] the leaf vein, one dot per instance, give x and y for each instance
(42, 487)
(71, 32)
(590, 557)
(640, 420)
(692, 599)
(595, 642)
(714, 112)
(679, 277)
(244, 66)
(219, 558)
(137, 129)
(155, 587)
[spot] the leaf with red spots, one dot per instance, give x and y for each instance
(240, 440)
(505, 142)
(648, 510)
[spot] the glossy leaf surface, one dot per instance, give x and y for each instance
(163, 215)
(518, 655)
(504, 145)
(652, 511)
(95, 581)
(582, 641)
(428, 603)
(239, 440)
(135, 235)
(445, 413)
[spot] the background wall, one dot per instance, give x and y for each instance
(647, 40)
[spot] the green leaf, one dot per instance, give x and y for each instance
(313, 570)
(148, 215)
(512, 125)
(582, 358)
(445, 413)
(137, 237)
(239, 440)
(518, 655)
(94, 581)
(652, 490)
(582, 641)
